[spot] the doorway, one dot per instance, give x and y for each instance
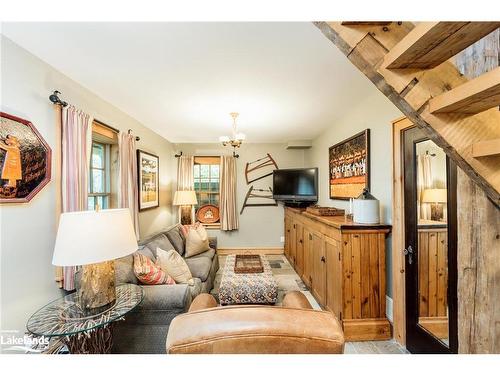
(430, 245)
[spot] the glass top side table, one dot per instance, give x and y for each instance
(84, 333)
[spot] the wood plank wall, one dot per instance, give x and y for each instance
(478, 235)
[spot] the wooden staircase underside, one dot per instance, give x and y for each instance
(410, 65)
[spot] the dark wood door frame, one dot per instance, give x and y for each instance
(417, 339)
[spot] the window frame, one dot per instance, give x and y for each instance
(106, 170)
(207, 160)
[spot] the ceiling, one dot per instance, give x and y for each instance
(287, 80)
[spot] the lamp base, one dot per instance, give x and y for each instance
(97, 287)
(186, 215)
(436, 212)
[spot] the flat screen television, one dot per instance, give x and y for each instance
(295, 185)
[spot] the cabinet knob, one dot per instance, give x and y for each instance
(300, 241)
(323, 259)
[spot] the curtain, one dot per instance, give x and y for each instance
(128, 194)
(185, 179)
(424, 181)
(76, 136)
(227, 204)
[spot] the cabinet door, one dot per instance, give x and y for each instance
(308, 257)
(333, 276)
(293, 243)
(319, 267)
(299, 250)
(287, 236)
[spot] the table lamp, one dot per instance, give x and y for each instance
(93, 239)
(185, 199)
(435, 197)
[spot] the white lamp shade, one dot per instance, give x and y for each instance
(434, 196)
(87, 237)
(240, 137)
(185, 198)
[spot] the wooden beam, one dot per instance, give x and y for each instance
(472, 97)
(486, 148)
(431, 43)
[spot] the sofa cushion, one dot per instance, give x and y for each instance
(206, 254)
(199, 267)
(173, 264)
(147, 253)
(159, 241)
(195, 289)
(124, 271)
(176, 240)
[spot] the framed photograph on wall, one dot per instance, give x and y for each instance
(25, 160)
(349, 166)
(148, 167)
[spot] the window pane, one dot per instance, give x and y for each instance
(90, 203)
(204, 170)
(214, 186)
(98, 181)
(97, 155)
(214, 171)
(196, 171)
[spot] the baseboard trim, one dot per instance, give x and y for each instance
(388, 308)
(251, 250)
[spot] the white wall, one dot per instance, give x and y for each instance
(374, 111)
(28, 230)
(259, 226)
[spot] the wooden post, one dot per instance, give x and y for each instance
(478, 235)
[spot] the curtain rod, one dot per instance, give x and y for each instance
(54, 98)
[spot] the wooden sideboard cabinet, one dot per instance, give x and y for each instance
(343, 264)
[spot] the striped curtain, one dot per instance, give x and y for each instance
(227, 205)
(128, 195)
(76, 150)
(424, 181)
(185, 178)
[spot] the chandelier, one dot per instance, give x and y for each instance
(236, 139)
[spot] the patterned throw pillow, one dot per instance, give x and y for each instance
(150, 273)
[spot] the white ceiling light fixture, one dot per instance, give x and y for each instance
(236, 139)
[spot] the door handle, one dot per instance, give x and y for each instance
(409, 252)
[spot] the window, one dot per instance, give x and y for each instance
(99, 176)
(206, 180)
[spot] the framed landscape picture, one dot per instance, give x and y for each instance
(148, 167)
(349, 165)
(25, 160)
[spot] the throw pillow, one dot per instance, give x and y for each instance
(184, 229)
(149, 273)
(174, 265)
(196, 241)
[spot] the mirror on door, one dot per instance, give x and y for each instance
(432, 235)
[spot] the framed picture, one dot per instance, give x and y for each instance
(349, 165)
(148, 167)
(25, 160)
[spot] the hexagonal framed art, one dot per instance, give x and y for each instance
(25, 160)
